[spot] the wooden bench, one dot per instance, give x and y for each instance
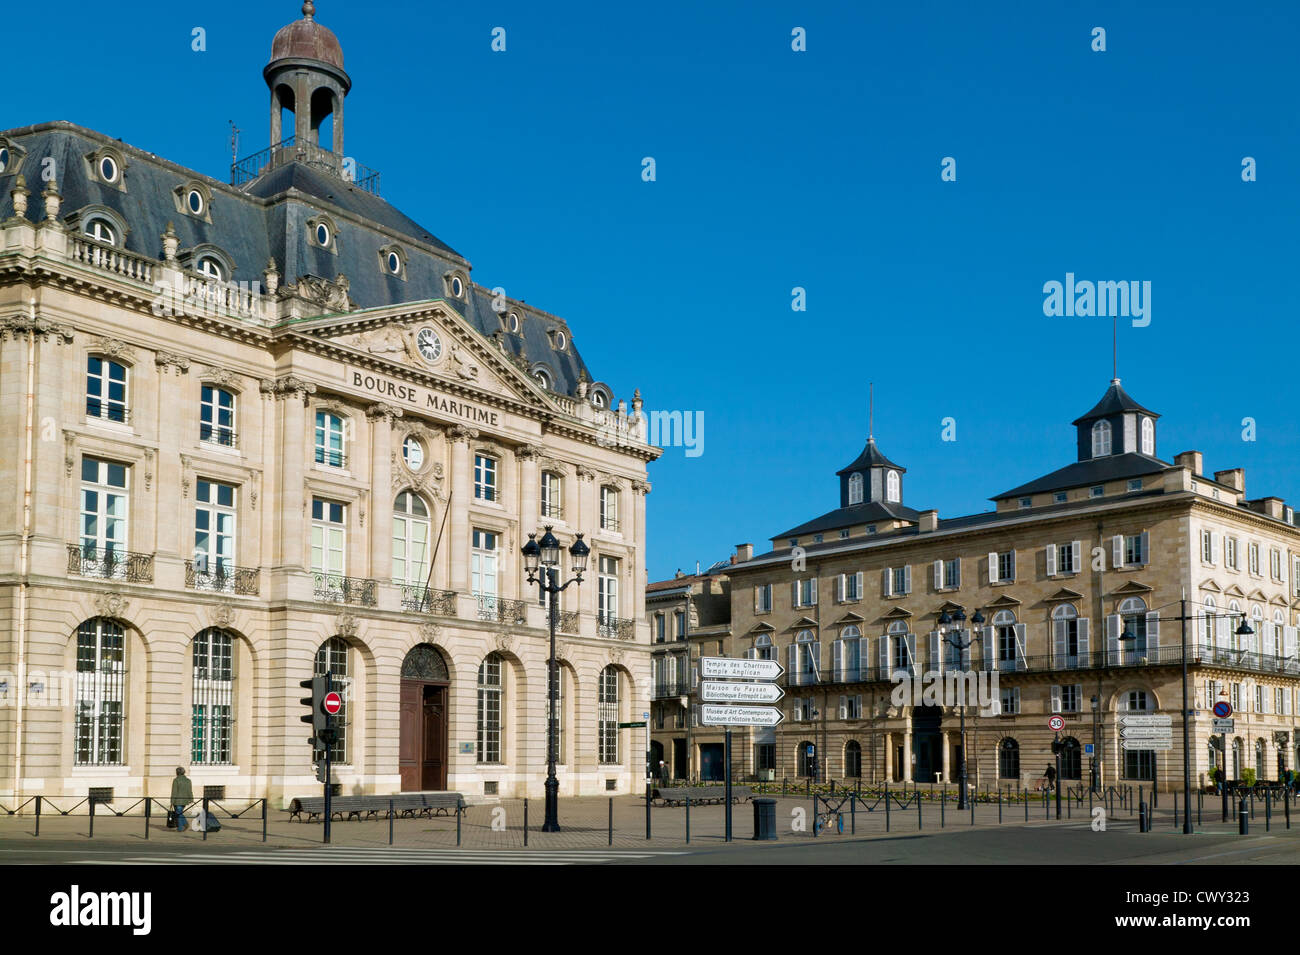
(677, 796)
(405, 805)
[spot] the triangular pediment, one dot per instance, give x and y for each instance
(948, 607)
(849, 618)
(803, 623)
(1003, 600)
(762, 628)
(1258, 595)
(1211, 586)
(898, 613)
(1277, 601)
(1130, 588)
(431, 340)
(1235, 591)
(1064, 594)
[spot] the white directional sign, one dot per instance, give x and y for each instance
(715, 692)
(1144, 732)
(726, 668)
(1163, 743)
(711, 715)
(1224, 726)
(1149, 719)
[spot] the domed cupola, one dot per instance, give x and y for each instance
(306, 77)
(1116, 425)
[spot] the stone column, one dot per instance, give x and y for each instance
(947, 747)
(889, 755)
(291, 394)
(529, 489)
(381, 490)
(639, 491)
(462, 490)
(907, 753)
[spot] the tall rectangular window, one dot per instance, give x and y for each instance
(1253, 556)
(485, 478)
(1006, 567)
(607, 590)
(489, 710)
(483, 568)
(103, 518)
(952, 573)
(101, 692)
(607, 717)
(763, 598)
(328, 543)
(552, 497)
(608, 508)
(329, 440)
(217, 416)
(214, 530)
(211, 709)
(105, 390)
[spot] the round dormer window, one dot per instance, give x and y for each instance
(108, 169)
(4, 158)
(394, 262)
(323, 235)
(195, 201)
(561, 340)
(457, 286)
(413, 454)
(598, 399)
(513, 321)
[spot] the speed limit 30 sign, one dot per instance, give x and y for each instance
(1056, 724)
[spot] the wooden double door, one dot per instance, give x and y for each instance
(422, 749)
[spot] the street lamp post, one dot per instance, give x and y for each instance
(1096, 739)
(946, 620)
(547, 554)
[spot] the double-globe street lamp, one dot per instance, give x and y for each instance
(1244, 630)
(546, 553)
(946, 620)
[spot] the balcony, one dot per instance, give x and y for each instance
(109, 563)
(331, 458)
(554, 511)
(216, 434)
(492, 607)
(616, 628)
(331, 588)
(609, 524)
(108, 411)
(290, 150)
(226, 579)
(670, 689)
(417, 599)
(568, 621)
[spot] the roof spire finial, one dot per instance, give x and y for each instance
(308, 10)
(871, 411)
(1114, 349)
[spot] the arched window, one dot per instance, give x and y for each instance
(410, 540)
(1004, 631)
(607, 716)
(1071, 761)
(807, 661)
(1009, 759)
(849, 664)
(763, 649)
(329, 440)
(1066, 650)
(211, 269)
(900, 651)
(1208, 625)
(101, 230)
(212, 707)
(855, 488)
(217, 416)
(1148, 437)
(106, 390)
(101, 692)
(334, 658)
(853, 759)
(1101, 439)
(804, 758)
(892, 493)
(489, 708)
(1133, 619)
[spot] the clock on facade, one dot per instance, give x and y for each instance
(429, 344)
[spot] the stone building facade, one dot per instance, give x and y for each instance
(251, 432)
(1079, 577)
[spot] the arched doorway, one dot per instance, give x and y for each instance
(927, 756)
(422, 746)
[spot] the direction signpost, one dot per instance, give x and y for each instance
(1147, 731)
(713, 669)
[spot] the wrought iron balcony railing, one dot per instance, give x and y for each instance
(331, 458)
(568, 621)
(492, 607)
(107, 411)
(216, 434)
(609, 524)
(671, 688)
(332, 588)
(553, 510)
(616, 628)
(290, 150)
(417, 599)
(110, 563)
(222, 578)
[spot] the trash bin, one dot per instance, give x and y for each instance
(764, 818)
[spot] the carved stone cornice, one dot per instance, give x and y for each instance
(169, 361)
(586, 473)
(219, 376)
(334, 405)
(25, 326)
(529, 452)
(462, 433)
(113, 348)
(383, 410)
(641, 487)
(289, 386)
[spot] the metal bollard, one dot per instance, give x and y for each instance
(458, 810)
(999, 805)
(205, 818)
(943, 804)
(390, 822)
(38, 815)
(92, 817)
(688, 816)
(886, 807)
(917, 794)
(814, 816)
(263, 820)
(1144, 821)
(1268, 810)
(853, 814)
(147, 803)
(611, 819)
(525, 822)
(1026, 804)
(1175, 809)
(1286, 806)
(1243, 818)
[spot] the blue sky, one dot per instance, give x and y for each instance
(818, 169)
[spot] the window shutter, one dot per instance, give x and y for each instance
(1051, 560)
(1221, 637)
(1117, 551)
(907, 579)
(993, 567)
(794, 593)
(988, 649)
(957, 583)
(837, 659)
(1112, 639)
(938, 575)
(1288, 643)
(1146, 549)
(815, 588)
(889, 581)
(882, 654)
(1076, 554)
(792, 659)
(1012, 578)
(839, 588)
(1056, 699)
(936, 654)
(911, 653)
(1059, 647)
(1084, 649)
(844, 709)
(758, 599)
(751, 654)
(1214, 548)
(857, 579)
(1021, 663)
(1015, 694)
(815, 654)
(1153, 633)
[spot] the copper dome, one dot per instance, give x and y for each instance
(307, 39)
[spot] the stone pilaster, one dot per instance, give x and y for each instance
(462, 492)
(381, 510)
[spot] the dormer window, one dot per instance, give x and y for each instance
(512, 323)
(11, 158)
(892, 487)
(1148, 437)
(101, 230)
(455, 284)
(1101, 439)
(209, 267)
(323, 233)
(107, 166)
(392, 260)
(543, 378)
(109, 169)
(855, 488)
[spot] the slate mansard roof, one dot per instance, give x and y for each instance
(267, 219)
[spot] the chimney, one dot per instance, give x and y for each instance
(929, 521)
(744, 552)
(1274, 507)
(1190, 459)
(1234, 478)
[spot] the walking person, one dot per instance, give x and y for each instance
(182, 796)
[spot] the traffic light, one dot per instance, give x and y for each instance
(318, 718)
(1057, 747)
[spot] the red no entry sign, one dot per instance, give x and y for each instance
(332, 703)
(1056, 724)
